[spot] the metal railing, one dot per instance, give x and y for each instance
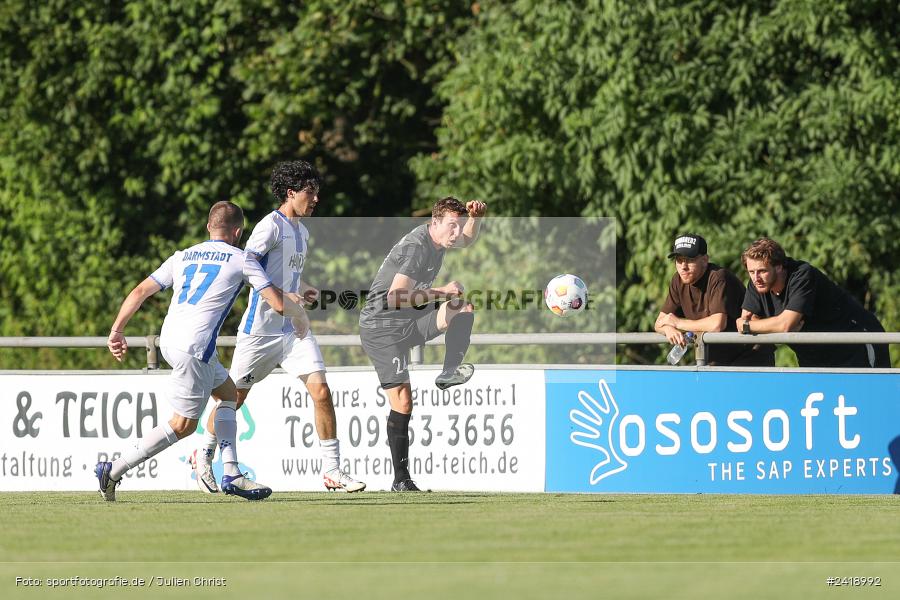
(151, 342)
(796, 337)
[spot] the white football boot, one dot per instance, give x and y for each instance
(340, 481)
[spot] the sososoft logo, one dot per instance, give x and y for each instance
(720, 431)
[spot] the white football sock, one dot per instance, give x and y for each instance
(226, 431)
(208, 447)
(157, 439)
(331, 455)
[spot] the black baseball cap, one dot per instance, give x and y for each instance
(689, 245)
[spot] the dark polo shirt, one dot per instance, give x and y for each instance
(718, 291)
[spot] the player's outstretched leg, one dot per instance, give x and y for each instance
(110, 474)
(457, 338)
(460, 375)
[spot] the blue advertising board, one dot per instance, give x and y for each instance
(722, 432)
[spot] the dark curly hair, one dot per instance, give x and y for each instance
(448, 205)
(296, 175)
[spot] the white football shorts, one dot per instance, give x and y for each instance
(192, 381)
(255, 356)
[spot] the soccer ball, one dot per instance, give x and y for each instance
(565, 295)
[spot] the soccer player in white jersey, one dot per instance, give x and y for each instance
(266, 339)
(205, 279)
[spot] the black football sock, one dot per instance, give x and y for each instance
(398, 440)
(457, 340)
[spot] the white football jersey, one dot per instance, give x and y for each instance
(205, 279)
(280, 245)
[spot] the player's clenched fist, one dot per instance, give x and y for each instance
(453, 289)
(476, 208)
(301, 326)
(117, 345)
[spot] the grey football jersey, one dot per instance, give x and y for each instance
(417, 258)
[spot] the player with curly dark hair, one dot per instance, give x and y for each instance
(296, 176)
(265, 339)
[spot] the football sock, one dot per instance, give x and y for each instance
(226, 430)
(457, 340)
(208, 448)
(331, 455)
(157, 439)
(398, 439)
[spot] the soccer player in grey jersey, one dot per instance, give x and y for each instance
(403, 310)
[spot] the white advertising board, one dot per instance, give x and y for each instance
(488, 435)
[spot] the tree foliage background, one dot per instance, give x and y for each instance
(732, 119)
(120, 123)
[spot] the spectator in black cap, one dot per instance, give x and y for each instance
(791, 295)
(705, 297)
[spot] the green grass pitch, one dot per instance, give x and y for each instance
(448, 545)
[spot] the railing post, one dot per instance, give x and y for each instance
(700, 351)
(152, 354)
(417, 355)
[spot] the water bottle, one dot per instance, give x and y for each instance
(677, 351)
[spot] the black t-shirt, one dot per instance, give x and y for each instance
(414, 256)
(824, 306)
(717, 291)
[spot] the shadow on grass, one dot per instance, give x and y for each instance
(379, 498)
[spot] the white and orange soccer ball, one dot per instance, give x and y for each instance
(566, 295)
